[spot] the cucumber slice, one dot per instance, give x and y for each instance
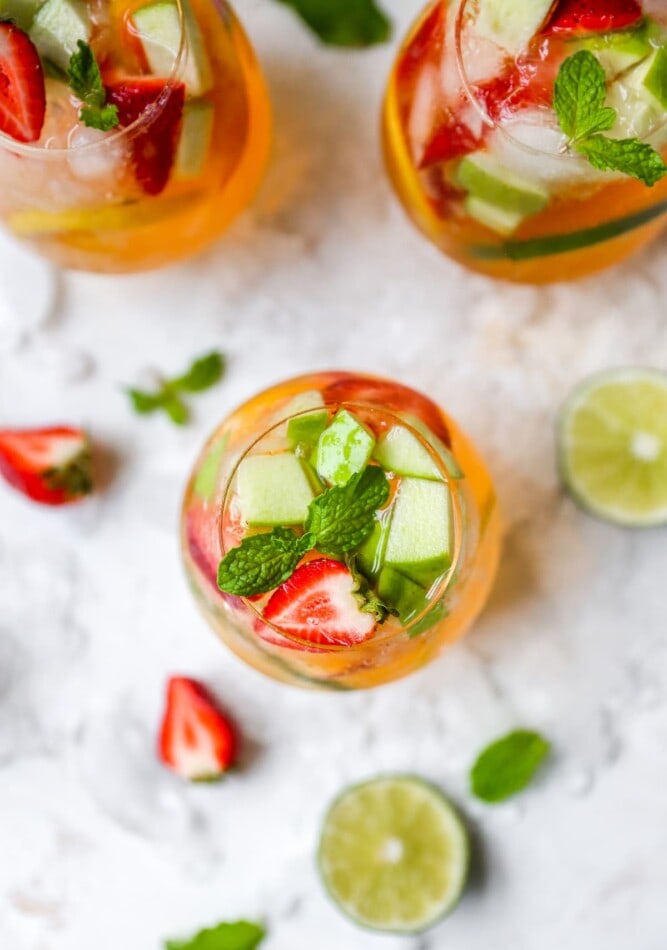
(420, 535)
(401, 593)
(484, 178)
(57, 28)
(273, 490)
(370, 555)
(399, 451)
(159, 29)
(344, 449)
(493, 217)
(307, 428)
(194, 143)
(511, 24)
(22, 12)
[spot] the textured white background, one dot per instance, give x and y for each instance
(101, 848)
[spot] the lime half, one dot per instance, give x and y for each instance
(394, 854)
(613, 446)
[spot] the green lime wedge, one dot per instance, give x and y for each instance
(613, 446)
(394, 854)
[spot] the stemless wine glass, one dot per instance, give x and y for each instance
(475, 149)
(416, 582)
(186, 158)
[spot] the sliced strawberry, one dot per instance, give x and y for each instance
(529, 82)
(318, 605)
(451, 139)
(22, 92)
(197, 740)
(426, 45)
(594, 16)
(51, 466)
(388, 395)
(155, 141)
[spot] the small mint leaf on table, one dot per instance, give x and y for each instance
(508, 765)
(580, 92)
(342, 518)
(85, 81)
(344, 22)
(204, 373)
(237, 936)
(262, 562)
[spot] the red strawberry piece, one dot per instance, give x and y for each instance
(594, 16)
(154, 142)
(388, 395)
(425, 45)
(22, 92)
(318, 605)
(452, 139)
(197, 740)
(51, 466)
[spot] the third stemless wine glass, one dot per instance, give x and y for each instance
(504, 176)
(132, 132)
(338, 530)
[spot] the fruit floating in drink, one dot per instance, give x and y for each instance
(339, 530)
(131, 134)
(527, 139)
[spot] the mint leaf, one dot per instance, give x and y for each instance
(580, 91)
(638, 159)
(508, 765)
(238, 936)
(342, 518)
(344, 22)
(262, 562)
(85, 81)
(204, 373)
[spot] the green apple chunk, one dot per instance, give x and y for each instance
(158, 26)
(452, 467)
(273, 490)
(617, 52)
(420, 534)
(370, 555)
(484, 178)
(399, 451)
(194, 143)
(344, 448)
(656, 78)
(401, 593)
(640, 100)
(22, 12)
(511, 23)
(306, 426)
(57, 28)
(493, 217)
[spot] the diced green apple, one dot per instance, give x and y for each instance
(158, 26)
(403, 594)
(420, 544)
(344, 448)
(485, 179)
(194, 144)
(401, 452)
(618, 51)
(492, 217)
(273, 490)
(57, 28)
(640, 100)
(22, 12)
(453, 468)
(511, 24)
(370, 555)
(309, 418)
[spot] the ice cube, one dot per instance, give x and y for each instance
(95, 154)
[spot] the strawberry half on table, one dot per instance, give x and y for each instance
(22, 90)
(318, 604)
(197, 740)
(159, 105)
(51, 466)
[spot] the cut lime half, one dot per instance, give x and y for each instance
(394, 854)
(613, 446)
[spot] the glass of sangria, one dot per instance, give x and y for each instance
(339, 530)
(132, 132)
(489, 155)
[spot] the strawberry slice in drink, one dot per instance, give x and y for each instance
(197, 740)
(573, 17)
(159, 105)
(318, 605)
(51, 466)
(22, 90)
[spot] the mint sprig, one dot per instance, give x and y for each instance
(204, 372)
(508, 765)
(580, 92)
(344, 22)
(342, 518)
(237, 936)
(338, 522)
(85, 81)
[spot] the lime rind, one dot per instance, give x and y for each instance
(413, 888)
(612, 446)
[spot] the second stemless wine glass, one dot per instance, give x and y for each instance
(380, 609)
(475, 150)
(186, 158)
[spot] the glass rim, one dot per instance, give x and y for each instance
(565, 154)
(438, 592)
(30, 149)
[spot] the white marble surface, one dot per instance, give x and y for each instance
(101, 848)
